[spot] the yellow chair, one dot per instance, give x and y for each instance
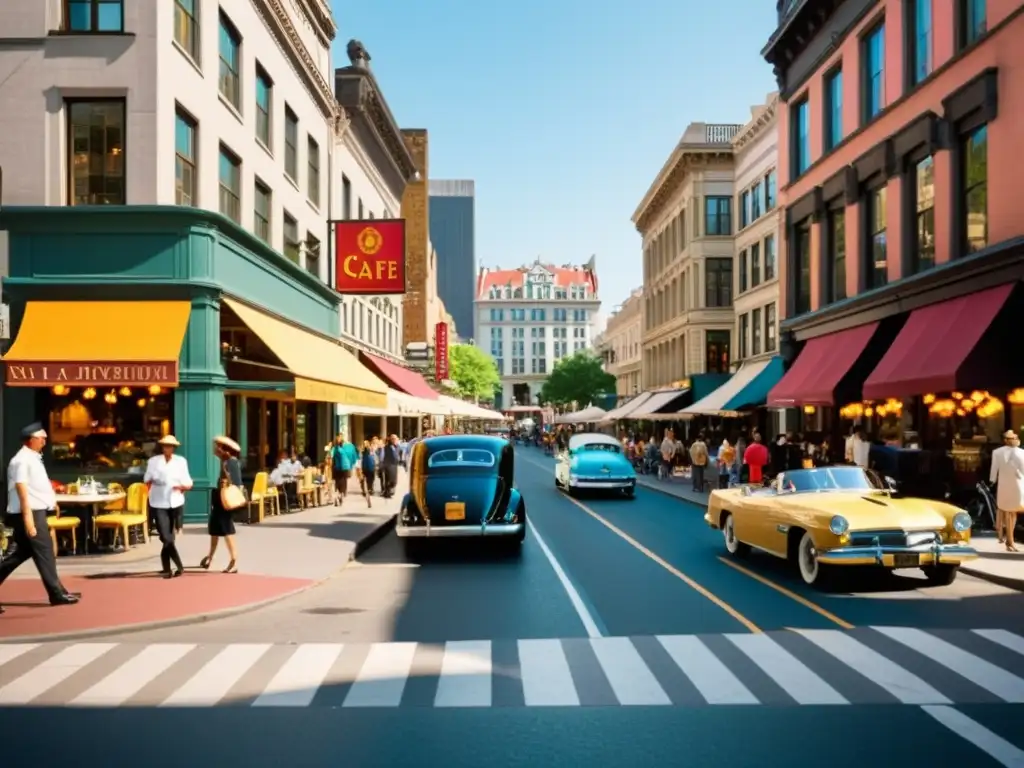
(116, 506)
(259, 496)
(306, 488)
(63, 524)
(135, 514)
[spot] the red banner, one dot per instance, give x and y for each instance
(441, 352)
(369, 256)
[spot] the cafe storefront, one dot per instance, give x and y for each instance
(130, 323)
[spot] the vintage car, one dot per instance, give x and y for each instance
(842, 516)
(461, 486)
(594, 462)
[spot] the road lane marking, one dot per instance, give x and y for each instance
(299, 678)
(907, 687)
(52, 672)
(790, 674)
(992, 744)
(134, 675)
(1001, 637)
(788, 593)
(982, 673)
(381, 680)
(14, 650)
(547, 679)
(211, 683)
(630, 678)
(466, 671)
(712, 679)
(589, 623)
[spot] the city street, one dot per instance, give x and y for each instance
(621, 634)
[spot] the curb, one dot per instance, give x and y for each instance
(1003, 581)
(371, 538)
(668, 493)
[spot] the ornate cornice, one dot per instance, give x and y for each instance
(687, 161)
(752, 130)
(319, 14)
(391, 196)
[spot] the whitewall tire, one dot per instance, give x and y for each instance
(811, 570)
(733, 545)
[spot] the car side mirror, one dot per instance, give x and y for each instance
(891, 484)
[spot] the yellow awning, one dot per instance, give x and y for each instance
(98, 343)
(324, 370)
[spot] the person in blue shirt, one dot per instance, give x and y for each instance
(368, 468)
(344, 458)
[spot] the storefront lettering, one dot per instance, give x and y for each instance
(361, 269)
(80, 374)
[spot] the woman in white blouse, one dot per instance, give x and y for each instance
(167, 478)
(1008, 475)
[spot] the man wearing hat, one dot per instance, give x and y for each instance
(1008, 475)
(168, 478)
(31, 499)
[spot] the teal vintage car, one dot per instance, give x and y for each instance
(595, 462)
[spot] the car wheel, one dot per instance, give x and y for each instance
(733, 545)
(811, 571)
(940, 575)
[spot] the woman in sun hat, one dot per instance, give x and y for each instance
(222, 521)
(167, 478)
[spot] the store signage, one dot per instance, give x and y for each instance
(91, 374)
(441, 351)
(326, 392)
(369, 256)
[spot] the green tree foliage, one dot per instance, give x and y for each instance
(473, 371)
(579, 378)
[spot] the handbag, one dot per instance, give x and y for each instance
(231, 496)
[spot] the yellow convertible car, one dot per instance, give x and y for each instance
(842, 516)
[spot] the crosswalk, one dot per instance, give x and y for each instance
(870, 665)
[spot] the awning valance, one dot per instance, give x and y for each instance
(77, 344)
(324, 370)
(820, 367)
(623, 411)
(749, 386)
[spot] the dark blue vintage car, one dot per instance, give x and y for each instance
(462, 486)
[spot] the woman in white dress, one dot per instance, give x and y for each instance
(1008, 475)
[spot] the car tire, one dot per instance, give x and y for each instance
(941, 575)
(813, 573)
(733, 546)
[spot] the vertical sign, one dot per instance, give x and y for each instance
(441, 352)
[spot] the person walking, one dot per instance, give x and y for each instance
(30, 499)
(390, 463)
(222, 521)
(726, 461)
(1008, 475)
(699, 459)
(756, 457)
(167, 478)
(367, 471)
(344, 458)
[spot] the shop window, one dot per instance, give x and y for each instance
(264, 103)
(230, 173)
(261, 210)
(975, 186)
(186, 28)
(96, 141)
(718, 282)
(291, 144)
(291, 238)
(922, 190)
(185, 180)
(877, 246)
(230, 47)
(716, 345)
(755, 332)
(104, 431)
(97, 16)
(769, 328)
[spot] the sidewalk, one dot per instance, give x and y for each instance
(996, 564)
(278, 558)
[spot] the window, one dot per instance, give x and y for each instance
(877, 246)
(186, 28)
(873, 84)
(975, 187)
(755, 265)
(313, 172)
(291, 144)
(230, 173)
(802, 273)
(230, 45)
(717, 215)
(972, 20)
(801, 131)
(261, 211)
(291, 237)
(742, 259)
(718, 282)
(716, 344)
(769, 258)
(96, 133)
(184, 159)
(769, 184)
(264, 100)
(94, 16)
(833, 110)
(312, 255)
(835, 287)
(346, 197)
(756, 201)
(923, 191)
(918, 28)
(744, 335)
(744, 209)
(769, 328)
(755, 331)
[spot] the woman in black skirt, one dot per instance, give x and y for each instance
(222, 521)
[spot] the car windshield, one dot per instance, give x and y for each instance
(606, 447)
(461, 459)
(826, 479)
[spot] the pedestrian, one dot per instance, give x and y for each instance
(167, 478)
(725, 462)
(344, 458)
(367, 471)
(1008, 475)
(699, 459)
(390, 461)
(668, 450)
(755, 457)
(222, 519)
(30, 499)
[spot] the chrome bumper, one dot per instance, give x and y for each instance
(457, 531)
(885, 556)
(614, 485)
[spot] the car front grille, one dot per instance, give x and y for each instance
(893, 538)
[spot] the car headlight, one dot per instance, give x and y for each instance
(839, 525)
(961, 522)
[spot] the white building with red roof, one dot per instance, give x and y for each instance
(530, 317)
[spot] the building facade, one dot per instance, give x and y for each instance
(686, 220)
(621, 344)
(530, 318)
(758, 229)
(452, 231)
(899, 158)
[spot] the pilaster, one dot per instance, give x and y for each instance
(198, 418)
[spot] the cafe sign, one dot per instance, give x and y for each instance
(369, 256)
(91, 374)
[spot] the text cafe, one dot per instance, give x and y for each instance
(369, 256)
(130, 323)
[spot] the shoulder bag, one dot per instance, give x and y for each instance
(231, 496)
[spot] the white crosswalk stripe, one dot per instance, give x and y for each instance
(876, 665)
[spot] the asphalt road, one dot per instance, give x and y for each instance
(618, 636)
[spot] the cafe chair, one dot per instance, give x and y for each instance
(259, 497)
(120, 504)
(63, 524)
(327, 488)
(307, 489)
(135, 515)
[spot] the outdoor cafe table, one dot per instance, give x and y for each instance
(91, 503)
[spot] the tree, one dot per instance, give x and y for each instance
(473, 371)
(580, 378)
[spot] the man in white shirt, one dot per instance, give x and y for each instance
(168, 478)
(30, 498)
(285, 476)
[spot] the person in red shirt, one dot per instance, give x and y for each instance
(755, 457)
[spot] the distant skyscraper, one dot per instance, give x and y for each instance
(452, 232)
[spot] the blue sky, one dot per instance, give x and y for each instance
(562, 111)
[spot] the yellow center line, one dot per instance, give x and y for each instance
(788, 593)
